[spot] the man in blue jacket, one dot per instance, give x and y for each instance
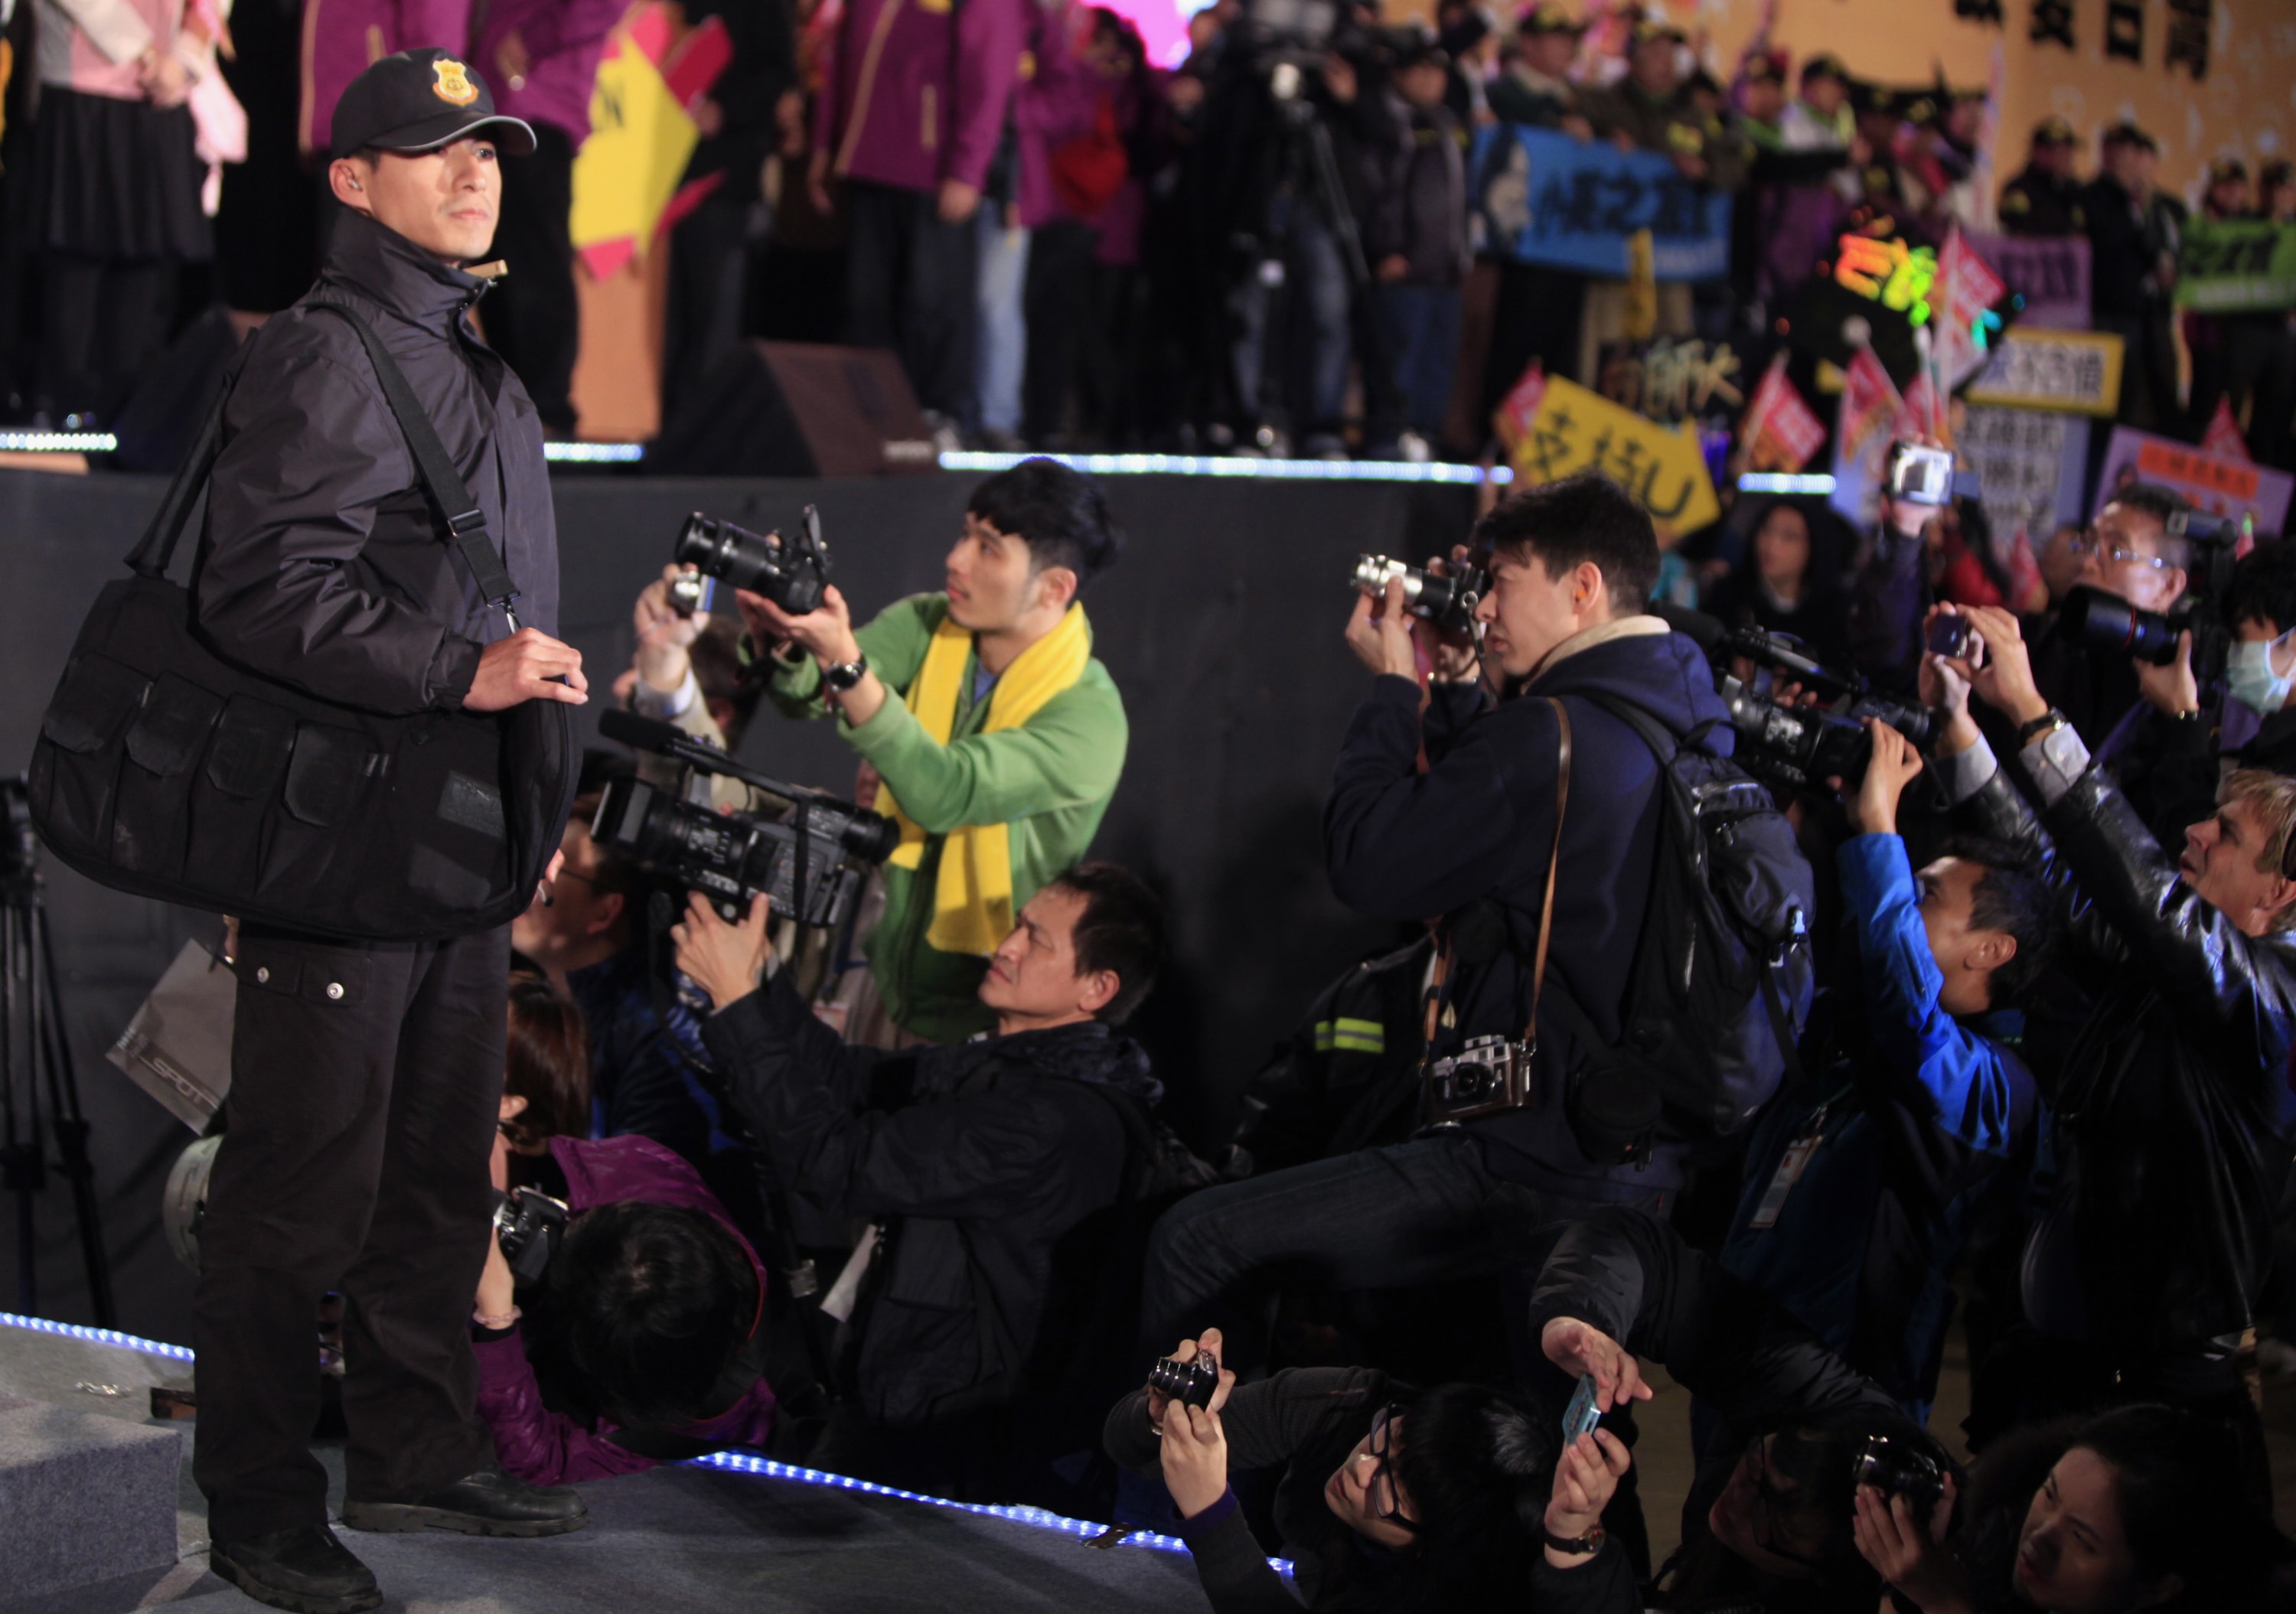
(1572, 564)
(1862, 1181)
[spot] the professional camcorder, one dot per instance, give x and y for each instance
(1448, 600)
(815, 847)
(791, 572)
(1800, 747)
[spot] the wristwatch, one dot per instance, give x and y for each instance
(843, 675)
(2051, 719)
(1591, 1542)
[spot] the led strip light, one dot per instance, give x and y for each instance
(736, 1462)
(57, 442)
(1192, 464)
(593, 453)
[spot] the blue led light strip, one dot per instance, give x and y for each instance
(1772, 481)
(58, 442)
(1192, 464)
(732, 1462)
(593, 453)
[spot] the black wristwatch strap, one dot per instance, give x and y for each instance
(2026, 731)
(1591, 1542)
(844, 675)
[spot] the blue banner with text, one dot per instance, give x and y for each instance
(1544, 197)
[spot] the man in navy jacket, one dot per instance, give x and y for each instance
(1571, 563)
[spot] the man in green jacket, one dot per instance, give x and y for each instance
(999, 738)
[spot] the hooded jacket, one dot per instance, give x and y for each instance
(976, 1159)
(324, 566)
(1479, 823)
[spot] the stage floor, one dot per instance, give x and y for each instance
(679, 1537)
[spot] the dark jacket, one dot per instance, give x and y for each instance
(2126, 242)
(547, 1447)
(323, 566)
(1307, 1420)
(1906, 1122)
(2173, 1115)
(1479, 823)
(977, 1158)
(1419, 184)
(2037, 202)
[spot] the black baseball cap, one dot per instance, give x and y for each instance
(417, 101)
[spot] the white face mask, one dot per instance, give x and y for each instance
(2251, 679)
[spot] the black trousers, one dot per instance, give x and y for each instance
(366, 1082)
(532, 317)
(909, 286)
(708, 296)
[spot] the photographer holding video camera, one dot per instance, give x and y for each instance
(997, 736)
(2174, 1119)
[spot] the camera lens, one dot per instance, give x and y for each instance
(2111, 626)
(730, 553)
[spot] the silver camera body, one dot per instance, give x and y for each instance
(1488, 1075)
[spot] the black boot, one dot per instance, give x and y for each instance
(305, 1569)
(488, 1503)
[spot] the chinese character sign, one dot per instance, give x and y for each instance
(1576, 430)
(2234, 265)
(2209, 482)
(1544, 197)
(2079, 371)
(2049, 272)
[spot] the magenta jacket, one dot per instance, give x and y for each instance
(563, 40)
(915, 91)
(1055, 104)
(544, 1447)
(342, 37)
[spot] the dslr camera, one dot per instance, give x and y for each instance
(791, 572)
(2109, 626)
(528, 1224)
(1895, 1468)
(1447, 599)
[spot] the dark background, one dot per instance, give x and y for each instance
(1221, 626)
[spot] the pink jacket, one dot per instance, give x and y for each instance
(340, 38)
(544, 1447)
(92, 46)
(915, 91)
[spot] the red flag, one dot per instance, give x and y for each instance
(1966, 287)
(2224, 439)
(1870, 404)
(1512, 419)
(1779, 431)
(2027, 590)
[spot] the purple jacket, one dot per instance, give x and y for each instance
(1055, 105)
(544, 1447)
(563, 40)
(342, 37)
(915, 91)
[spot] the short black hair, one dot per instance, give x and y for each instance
(1121, 931)
(2164, 504)
(2013, 899)
(655, 1302)
(1478, 1464)
(2263, 588)
(1059, 513)
(1584, 517)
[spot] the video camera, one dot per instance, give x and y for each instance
(1799, 747)
(816, 849)
(794, 573)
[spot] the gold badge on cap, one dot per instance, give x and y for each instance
(454, 82)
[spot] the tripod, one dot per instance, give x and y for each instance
(39, 1092)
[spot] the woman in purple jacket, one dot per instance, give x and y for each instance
(644, 1338)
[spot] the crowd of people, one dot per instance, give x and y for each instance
(1279, 245)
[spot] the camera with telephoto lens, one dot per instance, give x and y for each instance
(528, 1226)
(1191, 1382)
(1487, 1075)
(791, 572)
(1448, 600)
(1895, 1468)
(735, 856)
(2109, 626)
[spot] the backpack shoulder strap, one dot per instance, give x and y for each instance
(466, 521)
(1654, 733)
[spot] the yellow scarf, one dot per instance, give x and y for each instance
(973, 893)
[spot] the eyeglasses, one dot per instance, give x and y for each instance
(2093, 541)
(1381, 1491)
(1770, 1504)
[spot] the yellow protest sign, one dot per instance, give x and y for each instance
(641, 137)
(1576, 429)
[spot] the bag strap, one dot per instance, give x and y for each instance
(1553, 863)
(157, 548)
(464, 520)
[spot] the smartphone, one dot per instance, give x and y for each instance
(1583, 1413)
(1950, 636)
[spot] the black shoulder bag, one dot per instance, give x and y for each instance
(165, 770)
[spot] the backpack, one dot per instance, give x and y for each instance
(1722, 976)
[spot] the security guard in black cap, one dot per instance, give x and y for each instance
(365, 1078)
(2044, 199)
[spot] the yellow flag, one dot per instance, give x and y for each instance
(640, 140)
(1663, 467)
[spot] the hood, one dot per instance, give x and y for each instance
(1092, 1052)
(1665, 674)
(610, 1171)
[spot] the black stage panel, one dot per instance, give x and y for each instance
(1221, 625)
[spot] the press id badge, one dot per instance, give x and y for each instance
(1791, 1166)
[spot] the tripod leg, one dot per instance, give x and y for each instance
(52, 1055)
(22, 1164)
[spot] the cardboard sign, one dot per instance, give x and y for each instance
(1543, 198)
(2031, 467)
(1669, 380)
(2209, 482)
(2050, 273)
(2075, 371)
(1664, 468)
(2237, 265)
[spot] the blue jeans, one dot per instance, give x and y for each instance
(1319, 283)
(1422, 327)
(1003, 348)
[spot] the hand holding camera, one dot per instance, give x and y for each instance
(1892, 767)
(726, 961)
(2004, 677)
(1191, 1375)
(2171, 686)
(666, 627)
(1892, 1535)
(1586, 1477)
(1580, 1347)
(1379, 632)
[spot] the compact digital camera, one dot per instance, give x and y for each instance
(1489, 1074)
